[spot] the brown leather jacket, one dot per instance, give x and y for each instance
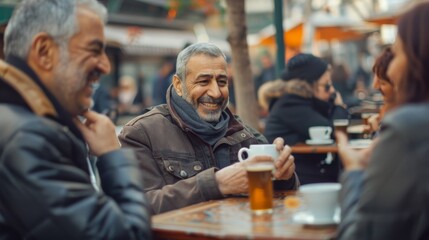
(179, 168)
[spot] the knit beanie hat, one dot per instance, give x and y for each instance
(306, 67)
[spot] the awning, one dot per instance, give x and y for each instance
(292, 36)
(326, 28)
(384, 18)
(146, 41)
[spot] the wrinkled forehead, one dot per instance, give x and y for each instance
(203, 63)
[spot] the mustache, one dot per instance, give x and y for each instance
(94, 77)
(94, 74)
(208, 99)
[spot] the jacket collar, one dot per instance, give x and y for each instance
(22, 86)
(30, 91)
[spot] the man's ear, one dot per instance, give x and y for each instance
(177, 84)
(43, 51)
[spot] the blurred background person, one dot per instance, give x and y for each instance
(162, 81)
(341, 81)
(268, 71)
(130, 100)
(103, 102)
(360, 80)
(384, 190)
(309, 100)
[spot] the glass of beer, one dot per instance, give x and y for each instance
(365, 117)
(259, 174)
(260, 187)
(340, 125)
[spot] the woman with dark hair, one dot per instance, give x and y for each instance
(389, 200)
(382, 83)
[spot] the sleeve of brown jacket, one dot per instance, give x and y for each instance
(162, 195)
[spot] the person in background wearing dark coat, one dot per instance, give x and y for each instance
(309, 100)
(48, 188)
(385, 191)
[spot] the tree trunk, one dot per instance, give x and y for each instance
(247, 107)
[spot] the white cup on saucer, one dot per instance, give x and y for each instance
(320, 135)
(320, 132)
(320, 201)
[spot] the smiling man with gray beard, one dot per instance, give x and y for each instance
(188, 148)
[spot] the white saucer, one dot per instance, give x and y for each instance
(308, 219)
(319, 141)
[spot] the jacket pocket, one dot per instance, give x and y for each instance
(182, 168)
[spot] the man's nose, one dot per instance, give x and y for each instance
(214, 90)
(104, 64)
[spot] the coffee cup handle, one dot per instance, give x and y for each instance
(328, 131)
(240, 153)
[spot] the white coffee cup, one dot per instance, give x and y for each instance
(320, 199)
(320, 132)
(259, 150)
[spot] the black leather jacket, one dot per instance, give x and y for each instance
(46, 190)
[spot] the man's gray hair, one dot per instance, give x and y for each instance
(195, 49)
(54, 17)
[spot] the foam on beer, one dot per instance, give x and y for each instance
(260, 167)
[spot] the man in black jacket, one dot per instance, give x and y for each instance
(48, 190)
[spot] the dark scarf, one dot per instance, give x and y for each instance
(208, 132)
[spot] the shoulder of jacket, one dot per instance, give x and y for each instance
(410, 118)
(17, 119)
(154, 113)
(294, 101)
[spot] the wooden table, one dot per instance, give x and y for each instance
(302, 148)
(306, 149)
(231, 219)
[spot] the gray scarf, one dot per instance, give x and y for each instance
(208, 132)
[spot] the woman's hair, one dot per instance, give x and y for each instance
(382, 63)
(55, 17)
(412, 30)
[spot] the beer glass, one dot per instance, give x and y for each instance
(340, 125)
(259, 174)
